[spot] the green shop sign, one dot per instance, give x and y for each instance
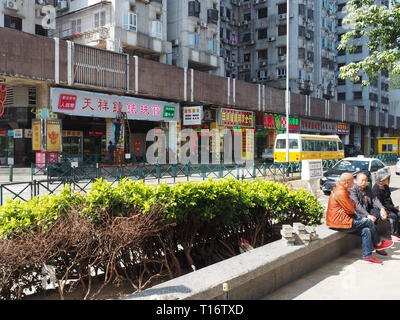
(169, 112)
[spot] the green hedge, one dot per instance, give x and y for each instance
(227, 201)
(206, 219)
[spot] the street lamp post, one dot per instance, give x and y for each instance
(287, 93)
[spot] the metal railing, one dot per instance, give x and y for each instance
(55, 176)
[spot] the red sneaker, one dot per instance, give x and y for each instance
(384, 245)
(373, 260)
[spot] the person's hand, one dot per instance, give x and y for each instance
(372, 218)
(383, 214)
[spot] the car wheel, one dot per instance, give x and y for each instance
(327, 193)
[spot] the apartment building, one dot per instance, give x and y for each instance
(129, 26)
(229, 36)
(26, 16)
(253, 34)
(373, 97)
(194, 31)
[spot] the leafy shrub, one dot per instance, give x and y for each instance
(206, 219)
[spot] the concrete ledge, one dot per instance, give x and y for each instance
(257, 273)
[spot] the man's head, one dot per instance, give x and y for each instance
(383, 177)
(362, 180)
(346, 180)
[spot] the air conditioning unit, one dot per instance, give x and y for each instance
(11, 4)
(232, 64)
(282, 58)
(244, 23)
(270, 39)
(263, 64)
(282, 16)
(202, 24)
(175, 43)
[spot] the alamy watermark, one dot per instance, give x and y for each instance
(205, 148)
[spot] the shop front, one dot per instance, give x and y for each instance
(311, 126)
(239, 122)
(15, 137)
(344, 132)
(268, 126)
(107, 128)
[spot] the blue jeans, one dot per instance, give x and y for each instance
(365, 228)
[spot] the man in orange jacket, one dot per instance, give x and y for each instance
(340, 216)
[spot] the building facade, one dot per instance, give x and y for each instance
(373, 98)
(134, 27)
(254, 39)
(194, 31)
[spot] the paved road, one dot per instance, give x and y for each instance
(348, 277)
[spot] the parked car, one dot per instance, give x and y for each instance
(353, 165)
(397, 170)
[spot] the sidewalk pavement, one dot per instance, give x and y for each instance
(350, 278)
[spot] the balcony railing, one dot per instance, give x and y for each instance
(97, 67)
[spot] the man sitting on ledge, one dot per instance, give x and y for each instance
(368, 205)
(341, 216)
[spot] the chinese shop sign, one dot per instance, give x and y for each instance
(271, 121)
(53, 135)
(329, 127)
(169, 112)
(293, 124)
(192, 115)
(237, 118)
(46, 135)
(3, 96)
(310, 125)
(343, 128)
(36, 135)
(278, 122)
(91, 104)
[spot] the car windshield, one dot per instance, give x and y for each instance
(351, 165)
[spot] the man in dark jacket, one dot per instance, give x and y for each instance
(368, 205)
(382, 191)
(340, 216)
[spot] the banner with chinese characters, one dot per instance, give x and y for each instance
(192, 115)
(36, 135)
(91, 104)
(53, 135)
(235, 118)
